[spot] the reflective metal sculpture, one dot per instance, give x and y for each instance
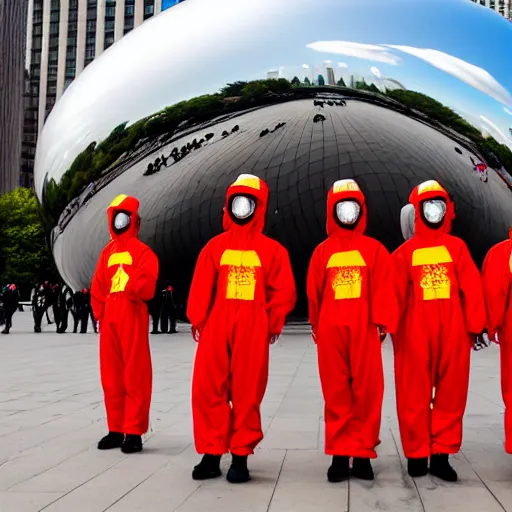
(299, 92)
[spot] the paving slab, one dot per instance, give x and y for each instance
(52, 415)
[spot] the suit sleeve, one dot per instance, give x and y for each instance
(281, 292)
(384, 311)
(202, 288)
(315, 286)
(142, 284)
(99, 289)
(470, 283)
(400, 283)
(496, 282)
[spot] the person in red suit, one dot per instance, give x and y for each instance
(241, 293)
(497, 277)
(439, 290)
(123, 283)
(347, 286)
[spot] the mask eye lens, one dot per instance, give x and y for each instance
(243, 207)
(121, 221)
(348, 212)
(434, 211)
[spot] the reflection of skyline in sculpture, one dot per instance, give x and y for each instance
(177, 146)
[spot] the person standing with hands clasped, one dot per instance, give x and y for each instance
(123, 284)
(241, 293)
(442, 313)
(347, 284)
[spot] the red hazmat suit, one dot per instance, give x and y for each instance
(497, 277)
(347, 286)
(241, 294)
(439, 292)
(125, 279)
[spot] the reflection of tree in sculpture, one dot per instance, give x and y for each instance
(98, 159)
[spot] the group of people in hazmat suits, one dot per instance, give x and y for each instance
(429, 295)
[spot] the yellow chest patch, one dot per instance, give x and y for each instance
(119, 281)
(242, 265)
(347, 276)
(434, 278)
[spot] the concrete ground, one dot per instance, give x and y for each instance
(52, 415)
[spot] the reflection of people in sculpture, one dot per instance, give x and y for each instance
(497, 277)
(348, 285)
(439, 291)
(241, 293)
(169, 310)
(124, 281)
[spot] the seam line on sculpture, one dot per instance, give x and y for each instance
(484, 484)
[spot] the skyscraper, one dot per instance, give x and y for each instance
(500, 6)
(331, 79)
(12, 41)
(64, 37)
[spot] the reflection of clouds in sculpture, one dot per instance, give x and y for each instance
(342, 65)
(496, 132)
(376, 72)
(509, 112)
(474, 76)
(371, 52)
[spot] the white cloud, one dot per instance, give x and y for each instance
(371, 52)
(473, 75)
(509, 112)
(496, 132)
(305, 66)
(376, 72)
(327, 61)
(342, 65)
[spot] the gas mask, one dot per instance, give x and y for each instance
(348, 213)
(242, 209)
(121, 222)
(434, 211)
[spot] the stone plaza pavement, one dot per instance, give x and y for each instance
(52, 415)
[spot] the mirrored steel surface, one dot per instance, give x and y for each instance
(299, 92)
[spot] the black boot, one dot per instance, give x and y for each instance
(417, 467)
(111, 440)
(339, 470)
(5, 331)
(238, 472)
(209, 467)
(362, 469)
(440, 467)
(132, 444)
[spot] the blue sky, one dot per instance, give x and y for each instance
(428, 40)
(168, 3)
(453, 50)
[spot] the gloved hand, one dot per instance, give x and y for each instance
(382, 333)
(196, 333)
(495, 338)
(274, 338)
(482, 341)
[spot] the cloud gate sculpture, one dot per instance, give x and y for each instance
(299, 92)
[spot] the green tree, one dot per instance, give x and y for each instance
(321, 80)
(24, 254)
(307, 81)
(341, 82)
(295, 81)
